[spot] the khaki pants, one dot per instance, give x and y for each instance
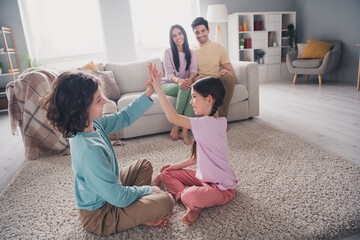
(229, 84)
(111, 219)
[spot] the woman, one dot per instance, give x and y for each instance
(180, 70)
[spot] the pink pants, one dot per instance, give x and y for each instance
(193, 193)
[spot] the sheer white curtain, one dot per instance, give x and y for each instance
(152, 21)
(63, 33)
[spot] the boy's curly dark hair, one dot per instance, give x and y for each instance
(67, 104)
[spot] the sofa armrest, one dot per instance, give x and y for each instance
(330, 62)
(247, 73)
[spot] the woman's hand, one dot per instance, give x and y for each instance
(183, 83)
(189, 82)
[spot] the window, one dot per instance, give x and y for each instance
(63, 33)
(152, 21)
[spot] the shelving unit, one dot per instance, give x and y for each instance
(7, 55)
(267, 31)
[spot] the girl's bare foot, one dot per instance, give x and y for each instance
(158, 223)
(190, 217)
(156, 180)
(174, 134)
(185, 136)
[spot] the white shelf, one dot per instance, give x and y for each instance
(4, 31)
(8, 74)
(271, 26)
(5, 53)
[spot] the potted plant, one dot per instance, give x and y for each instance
(1, 67)
(241, 43)
(292, 37)
(260, 55)
(31, 62)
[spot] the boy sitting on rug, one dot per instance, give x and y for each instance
(106, 204)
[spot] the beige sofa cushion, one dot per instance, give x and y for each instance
(128, 98)
(130, 76)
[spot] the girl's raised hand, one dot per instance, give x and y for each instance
(153, 77)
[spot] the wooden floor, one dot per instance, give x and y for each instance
(328, 116)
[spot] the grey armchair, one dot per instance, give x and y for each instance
(315, 66)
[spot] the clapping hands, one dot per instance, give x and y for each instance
(154, 75)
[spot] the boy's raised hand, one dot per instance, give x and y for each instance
(153, 77)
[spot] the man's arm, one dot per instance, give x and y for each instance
(226, 68)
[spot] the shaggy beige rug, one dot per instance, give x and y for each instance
(288, 189)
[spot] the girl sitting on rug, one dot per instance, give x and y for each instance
(108, 201)
(214, 181)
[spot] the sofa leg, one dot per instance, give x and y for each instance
(295, 76)
(331, 76)
(307, 77)
(320, 79)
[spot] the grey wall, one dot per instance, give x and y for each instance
(234, 6)
(316, 19)
(10, 17)
(332, 19)
(117, 25)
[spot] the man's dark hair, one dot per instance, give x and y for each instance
(199, 21)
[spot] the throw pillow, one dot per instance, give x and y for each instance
(301, 49)
(316, 49)
(91, 65)
(109, 86)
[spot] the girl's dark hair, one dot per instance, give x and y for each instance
(175, 51)
(209, 86)
(68, 102)
(199, 21)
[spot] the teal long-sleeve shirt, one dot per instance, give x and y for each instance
(95, 165)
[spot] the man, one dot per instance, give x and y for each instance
(212, 60)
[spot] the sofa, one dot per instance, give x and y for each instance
(41, 139)
(129, 78)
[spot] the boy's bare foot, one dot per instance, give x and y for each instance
(156, 180)
(174, 134)
(190, 217)
(185, 136)
(158, 223)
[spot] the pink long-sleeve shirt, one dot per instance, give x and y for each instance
(170, 69)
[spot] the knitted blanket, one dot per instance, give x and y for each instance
(24, 94)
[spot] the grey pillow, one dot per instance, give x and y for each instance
(301, 49)
(109, 86)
